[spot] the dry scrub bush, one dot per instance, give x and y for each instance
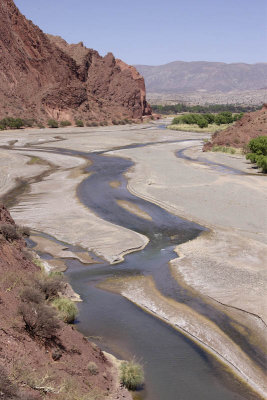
(23, 230)
(7, 388)
(40, 320)
(50, 285)
(11, 280)
(92, 368)
(10, 232)
(71, 390)
(32, 295)
(13, 232)
(40, 379)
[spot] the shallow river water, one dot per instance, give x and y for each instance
(175, 367)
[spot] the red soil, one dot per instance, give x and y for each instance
(29, 362)
(251, 125)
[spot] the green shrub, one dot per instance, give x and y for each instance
(209, 117)
(176, 121)
(115, 122)
(131, 375)
(203, 120)
(79, 123)
(218, 120)
(65, 123)
(262, 163)
(237, 117)
(252, 157)
(13, 123)
(202, 123)
(92, 368)
(227, 116)
(52, 123)
(258, 145)
(258, 155)
(67, 310)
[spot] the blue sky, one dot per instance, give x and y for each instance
(156, 32)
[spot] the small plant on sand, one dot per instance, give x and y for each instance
(65, 123)
(67, 310)
(224, 149)
(131, 375)
(52, 123)
(79, 123)
(38, 263)
(92, 368)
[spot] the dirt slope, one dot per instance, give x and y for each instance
(34, 365)
(251, 125)
(42, 76)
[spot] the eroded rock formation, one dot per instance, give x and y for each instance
(42, 76)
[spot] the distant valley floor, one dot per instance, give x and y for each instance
(246, 97)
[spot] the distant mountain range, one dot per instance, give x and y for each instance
(201, 76)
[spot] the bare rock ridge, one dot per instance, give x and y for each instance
(250, 126)
(42, 76)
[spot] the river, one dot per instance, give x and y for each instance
(175, 367)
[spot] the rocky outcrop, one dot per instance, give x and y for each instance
(251, 125)
(42, 76)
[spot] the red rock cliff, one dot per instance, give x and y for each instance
(42, 76)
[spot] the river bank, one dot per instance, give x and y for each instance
(175, 184)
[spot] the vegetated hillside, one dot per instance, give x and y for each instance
(41, 78)
(185, 77)
(250, 126)
(41, 355)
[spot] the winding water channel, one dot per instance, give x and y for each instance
(175, 367)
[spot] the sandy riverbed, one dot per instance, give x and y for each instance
(226, 265)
